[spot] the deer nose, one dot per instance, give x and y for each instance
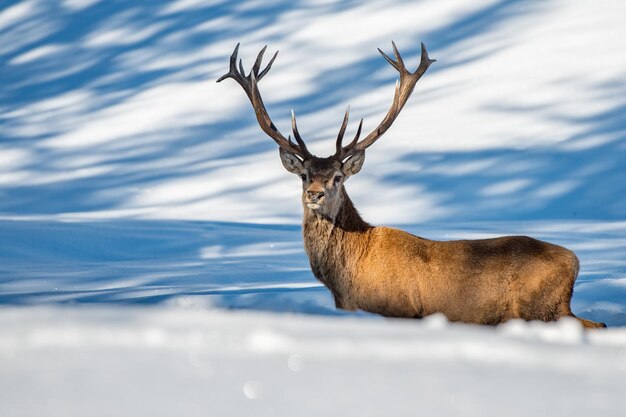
(315, 195)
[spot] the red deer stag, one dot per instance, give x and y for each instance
(396, 274)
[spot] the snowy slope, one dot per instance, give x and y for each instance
(146, 362)
(238, 265)
(111, 108)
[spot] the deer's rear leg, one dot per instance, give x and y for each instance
(588, 324)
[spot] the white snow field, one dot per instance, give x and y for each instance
(151, 261)
(159, 362)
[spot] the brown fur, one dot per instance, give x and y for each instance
(396, 274)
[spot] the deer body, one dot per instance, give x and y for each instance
(394, 273)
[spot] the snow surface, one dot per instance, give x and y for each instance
(111, 109)
(249, 266)
(159, 362)
(140, 204)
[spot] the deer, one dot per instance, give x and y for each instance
(391, 272)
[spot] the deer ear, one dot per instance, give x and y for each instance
(291, 162)
(353, 164)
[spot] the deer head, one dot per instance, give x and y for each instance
(323, 178)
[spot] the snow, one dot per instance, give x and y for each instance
(151, 260)
(248, 266)
(197, 362)
(144, 317)
(115, 112)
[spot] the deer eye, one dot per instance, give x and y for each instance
(338, 179)
(303, 176)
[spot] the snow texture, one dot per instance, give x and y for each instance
(194, 362)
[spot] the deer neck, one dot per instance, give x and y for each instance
(345, 219)
(334, 243)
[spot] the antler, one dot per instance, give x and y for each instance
(249, 85)
(404, 88)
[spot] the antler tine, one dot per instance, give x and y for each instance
(343, 152)
(403, 90)
(269, 65)
(425, 61)
(398, 57)
(296, 134)
(232, 73)
(356, 137)
(391, 61)
(257, 62)
(342, 131)
(250, 87)
(241, 70)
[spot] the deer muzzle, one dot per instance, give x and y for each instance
(314, 198)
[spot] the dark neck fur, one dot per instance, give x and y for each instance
(347, 219)
(333, 244)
